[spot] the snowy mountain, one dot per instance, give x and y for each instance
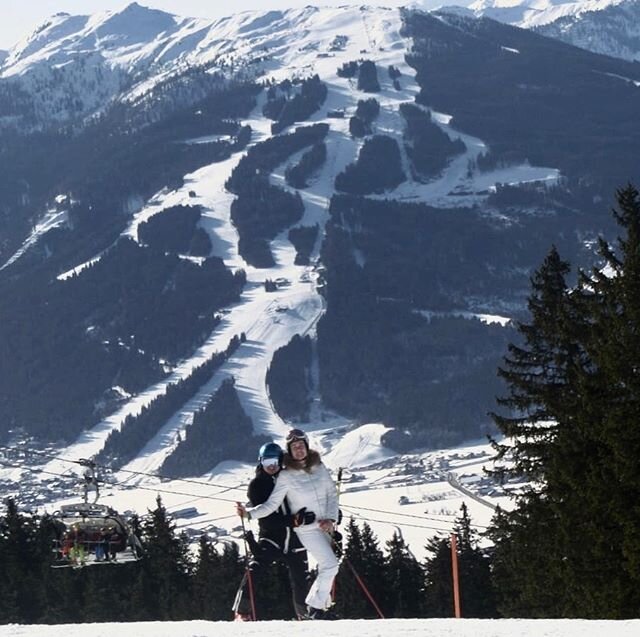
(612, 30)
(324, 217)
(533, 13)
(87, 61)
(609, 27)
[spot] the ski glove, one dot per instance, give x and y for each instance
(302, 517)
(254, 547)
(337, 543)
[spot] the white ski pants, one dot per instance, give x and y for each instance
(318, 544)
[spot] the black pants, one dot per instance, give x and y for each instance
(296, 562)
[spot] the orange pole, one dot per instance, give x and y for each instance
(456, 578)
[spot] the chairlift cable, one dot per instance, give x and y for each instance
(211, 484)
(51, 456)
(119, 484)
(411, 515)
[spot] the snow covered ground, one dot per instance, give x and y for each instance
(417, 494)
(360, 627)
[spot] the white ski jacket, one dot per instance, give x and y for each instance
(314, 490)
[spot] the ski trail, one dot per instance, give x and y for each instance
(50, 220)
(269, 320)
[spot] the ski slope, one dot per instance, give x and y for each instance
(360, 627)
(419, 494)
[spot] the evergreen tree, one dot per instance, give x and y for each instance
(349, 603)
(536, 372)
(477, 594)
(166, 566)
(372, 570)
(229, 568)
(204, 604)
(404, 580)
(570, 547)
(477, 597)
(438, 580)
(22, 565)
(362, 553)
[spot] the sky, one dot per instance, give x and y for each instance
(18, 17)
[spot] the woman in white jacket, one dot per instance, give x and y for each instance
(307, 484)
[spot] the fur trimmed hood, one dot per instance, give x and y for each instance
(312, 460)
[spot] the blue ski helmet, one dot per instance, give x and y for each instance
(270, 450)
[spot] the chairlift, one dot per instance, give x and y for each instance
(88, 533)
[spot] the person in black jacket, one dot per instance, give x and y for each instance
(276, 540)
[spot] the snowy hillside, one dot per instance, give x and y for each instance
(609, 27)
(125, 56)
(401, 489)
(613, 30)
(533, 13)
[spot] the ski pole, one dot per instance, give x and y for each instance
(338, 489)
(248, 572)
(344, 558)
(364, 588)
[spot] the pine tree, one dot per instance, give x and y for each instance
(477, 594)
(204, 603)
(606, 487)
(537, 373)
(22, 565)
(167, 567)
(540, 374)
(372, 570)
(362, 553)
(404, 579)
(349, 603)
(438, 586)
(228, 574)
(570, 547)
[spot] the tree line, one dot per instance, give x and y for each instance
(262, 210)
(220, 431)
(378, 168)
(289, 101)
(70, 342)
(125, 444)
(466, 62)
(172, 581)
(569, 548)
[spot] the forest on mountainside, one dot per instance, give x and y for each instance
(124, 444)
(549, 103)
(175, 229)
(392, 344)
(221, 430)
(69, 342)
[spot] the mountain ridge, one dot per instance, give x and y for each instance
(533, 13)
(602, 26)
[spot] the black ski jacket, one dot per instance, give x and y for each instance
(275, 528)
